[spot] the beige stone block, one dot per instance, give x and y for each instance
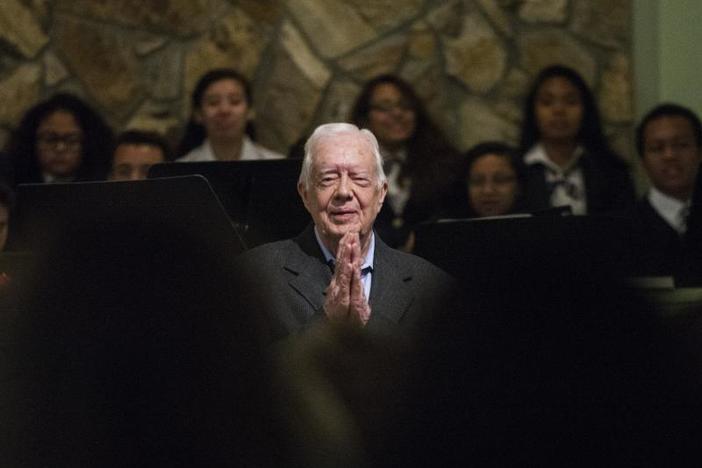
(108, 69)
(479, 122)
(422, 54)
(334, 26)
(515, 85)
(621, 140)
(265, 13)
(387, 14)
(286, 108)
(147, 44)
(54, 70)
(477, 57)
(234, 42)
(20, 28)
(18, 92)
(432, 88)
(605, 22)
(303, 57)
(616, 90)
(447, 18)
(163, 73)
(382, 57)
(154, 117)
(421, 43)
(552, 46)
(497, 15)
(543, 11)
(181, 17)
(509, 110)
(338, 101)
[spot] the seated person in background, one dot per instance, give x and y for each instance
(60, 140)
(569, 162)
(491, 183)
(343, 186)
(669, 142)
(418, 159)
(135, 152)
(220, 126)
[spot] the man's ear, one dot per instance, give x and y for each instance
(383, 192)
(302, 190)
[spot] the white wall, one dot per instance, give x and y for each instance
(667, 48)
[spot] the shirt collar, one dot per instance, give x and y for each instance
(329, 257)
(248, 149)
(537, 155)
(667, 207)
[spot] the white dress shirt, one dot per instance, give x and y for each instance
(249, 151)
(672, 210)
(568, 182)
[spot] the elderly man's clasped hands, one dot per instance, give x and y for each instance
(345, 299)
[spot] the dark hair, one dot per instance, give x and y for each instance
(499, 149)
(97, 139)
(144, 137)
(668, 110)
(458, 204)
(195, 133)
(427, 141)
(590, 135)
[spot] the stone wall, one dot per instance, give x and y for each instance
(470, 60)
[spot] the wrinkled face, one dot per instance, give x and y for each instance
(671, 156)
(59, 144)
(4, 217)
(558, 109)
(343, 193)
(224, 110)
(492, 185)
(132, 161)
(391, 117)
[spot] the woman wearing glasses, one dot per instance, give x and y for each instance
(418, 159)
(491, 183)
(60, 140)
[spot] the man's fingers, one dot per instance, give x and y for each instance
(359, 310)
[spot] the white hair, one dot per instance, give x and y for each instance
(333, 129)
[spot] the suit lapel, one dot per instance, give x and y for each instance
(391, 290)
(307, 272)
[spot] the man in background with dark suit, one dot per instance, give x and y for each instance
(669, 141)
(338, 269)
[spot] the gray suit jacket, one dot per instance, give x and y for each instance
(287, 280)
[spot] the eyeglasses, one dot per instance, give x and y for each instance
(387, 107)
(69, 141)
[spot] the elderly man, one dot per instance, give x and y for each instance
(669, 141)
(338, 269)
